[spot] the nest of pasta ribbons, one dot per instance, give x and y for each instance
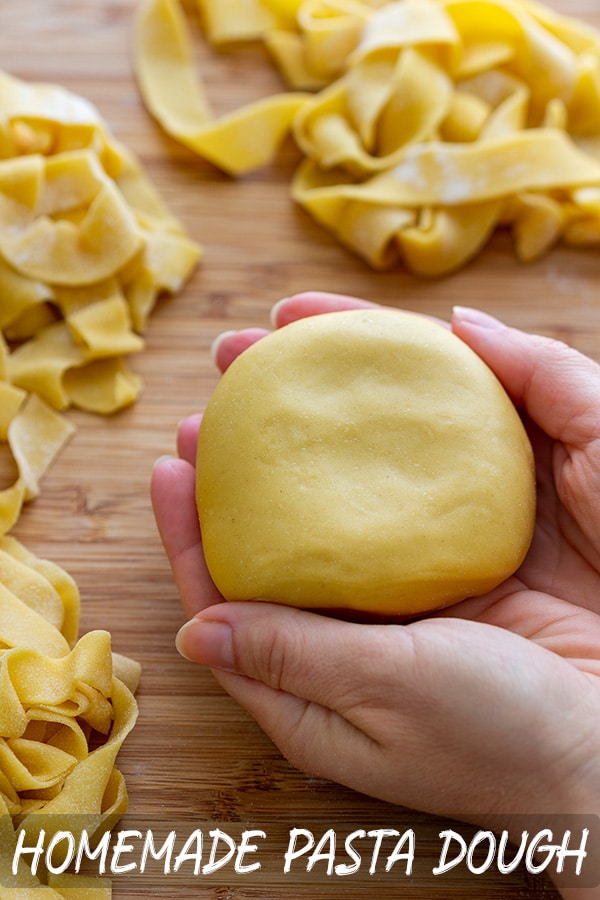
(86, 249)
(424, 124)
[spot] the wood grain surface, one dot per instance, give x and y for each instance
(194, 754)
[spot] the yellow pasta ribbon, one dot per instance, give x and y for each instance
(35, 435)
(57, 690)
(58, 583)
(236, 20)
(34, 190)
(86, 248)
(424, 124)
(163, 63)
(77, 211)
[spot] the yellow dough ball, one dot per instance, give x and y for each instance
(363, 460)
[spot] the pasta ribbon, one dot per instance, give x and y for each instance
(67, 706)
(57, 250)
(237, 20)
(163, 62)
(77, 211)
(35, 434)
(86, 248)
(425, 125)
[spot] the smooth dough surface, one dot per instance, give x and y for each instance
(365, 460)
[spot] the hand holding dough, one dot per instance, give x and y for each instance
(365, 460)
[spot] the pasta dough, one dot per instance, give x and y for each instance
(362, 460)
(425, 125)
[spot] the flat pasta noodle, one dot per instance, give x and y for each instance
(76, 210)
(57, 582)
(237, 20)
(86, 248)
(164, 69)
(467, 96)
(19, 293)
(60, 250)
(36, 434)
(58, 690)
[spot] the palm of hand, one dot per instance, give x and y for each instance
(548, 602)
(554, 598)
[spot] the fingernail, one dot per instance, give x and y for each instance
(161, 459)
(214, 349)
(275, 310)
(185, 422)
(206, 642)
(477, 317)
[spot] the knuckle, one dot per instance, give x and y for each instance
(274, 653)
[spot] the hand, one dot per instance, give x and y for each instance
(481, 711)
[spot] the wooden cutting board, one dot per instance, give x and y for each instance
(194, 754)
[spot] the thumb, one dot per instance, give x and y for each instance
(283, 666)
(558, 387)
(398, 712)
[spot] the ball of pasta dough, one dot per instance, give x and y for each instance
(363, 460)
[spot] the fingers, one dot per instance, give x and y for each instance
(172, 491)
(343, 666)
(313, 303)
(558, 387)
(312, 737)
(187, 438)
(228, 345)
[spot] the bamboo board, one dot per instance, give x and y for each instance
(194, 753)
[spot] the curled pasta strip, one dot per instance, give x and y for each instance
(76, 210)
(35, 434)
(86, 248)
(465, 188)
(163, 63)
(425, 124)
(34, 192)
(58, 692)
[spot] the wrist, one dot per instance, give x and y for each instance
(567, 818)
(582, 801)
